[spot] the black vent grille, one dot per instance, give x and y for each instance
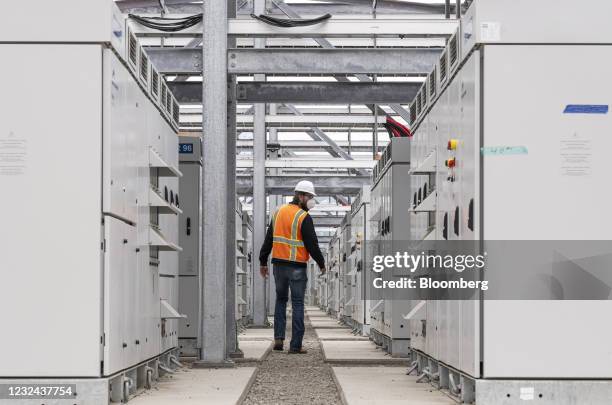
(175, 112)
(424, 98)
(144, 66)
(453, 50)
(163, 95)
(432, 84)
(413, 112)
(443, 68)
(133, 49)
(154, 83)
(418, 104)
(169, 103)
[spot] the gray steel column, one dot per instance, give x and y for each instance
(274, 203)
(259, 188)
(214, 185)
(259, 209)
(232, 337)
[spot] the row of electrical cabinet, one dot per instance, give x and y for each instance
(468, 155)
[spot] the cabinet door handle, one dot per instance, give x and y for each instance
(188, 226)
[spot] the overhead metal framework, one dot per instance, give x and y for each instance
(312, 101)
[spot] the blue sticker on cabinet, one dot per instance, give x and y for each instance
(586, 109)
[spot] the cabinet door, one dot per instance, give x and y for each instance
(114, 296)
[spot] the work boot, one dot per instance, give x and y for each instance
(278, 344)
(301, 350)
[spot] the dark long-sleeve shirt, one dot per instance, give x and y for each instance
(309, 237)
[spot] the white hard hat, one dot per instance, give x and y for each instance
(305, 186)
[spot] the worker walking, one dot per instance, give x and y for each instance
(292, 240)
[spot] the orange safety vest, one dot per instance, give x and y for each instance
(287, 226)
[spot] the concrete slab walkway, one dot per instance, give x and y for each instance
(385, 386)
(199, 386)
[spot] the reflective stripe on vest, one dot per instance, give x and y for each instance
(287, 236)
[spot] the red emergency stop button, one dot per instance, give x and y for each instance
(452, 144)
(450, 162)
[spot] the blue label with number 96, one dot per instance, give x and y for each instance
(185, 148)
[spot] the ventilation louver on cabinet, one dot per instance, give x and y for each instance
(144, 66)
(453, 50)
(169, 103)
(424, 98)
(175, 112)
(432, 84)
(164, 93)
(154, 83)
(443, 68)
(133, 49)
(413, 113)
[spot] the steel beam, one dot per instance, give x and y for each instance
(307, 92)
(215, 177)
(311, 145)
(290, 120)
(295, 163)
(336, 27)
(315, 9)
(408, 61)
(347, 27)
(404, 61)
(326, 221)
(325, 184)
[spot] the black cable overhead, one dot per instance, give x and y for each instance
(167, 24)
(291, 22)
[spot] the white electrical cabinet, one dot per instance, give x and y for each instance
(390, 202)
(243, 263)
(85, 152)
(344, 280)
(508, 97)
(360, 262)
(190, 239)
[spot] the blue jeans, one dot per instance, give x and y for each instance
(294, 278)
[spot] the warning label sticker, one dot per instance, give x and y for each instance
(13, 155)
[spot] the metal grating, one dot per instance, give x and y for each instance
(443, 68)
(175, 112)
(169, 103)
(144, 66)
(154, 83)
(424, 98)
(453, 49)
(432, 84)
(164, 92)
(413, 112)
(133, 49)
(418, 104)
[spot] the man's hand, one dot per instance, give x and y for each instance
(263, 270)
(322, 269)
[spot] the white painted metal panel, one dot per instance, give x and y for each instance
(538, 201)
(54, 208)
(468, 154)
(62, 21)
(115, 308)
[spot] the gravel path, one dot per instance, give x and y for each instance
(295, 379)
